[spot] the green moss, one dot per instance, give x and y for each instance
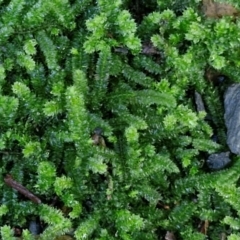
(68, 67)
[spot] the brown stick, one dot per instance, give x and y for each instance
(17, 186)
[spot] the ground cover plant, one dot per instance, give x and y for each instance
(100, 136)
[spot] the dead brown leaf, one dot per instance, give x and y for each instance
(203, 227)
(170, 236)
(98, 138)
(210, 74)
(213, 9)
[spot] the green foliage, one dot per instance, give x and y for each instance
(130, 68)
(58, 225)
(3, 209)
(127, 223)
(9, 106)
(46, 176)
(110, 28)
(7, 233)
(27, 235)
(87, 227)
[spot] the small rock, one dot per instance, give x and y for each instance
(220, 79)
(35, 227)
(232, 117)
(218, 161)
(199, 102)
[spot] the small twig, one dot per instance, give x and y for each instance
(110, 188)
(8, 153)
(162, 205)
(31, 30)
(147, 49)
(17, 186)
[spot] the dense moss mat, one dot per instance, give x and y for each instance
(98, 119)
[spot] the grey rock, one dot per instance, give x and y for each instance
(232, 117)
(35, 227)
(199, 102)
(218, 161)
